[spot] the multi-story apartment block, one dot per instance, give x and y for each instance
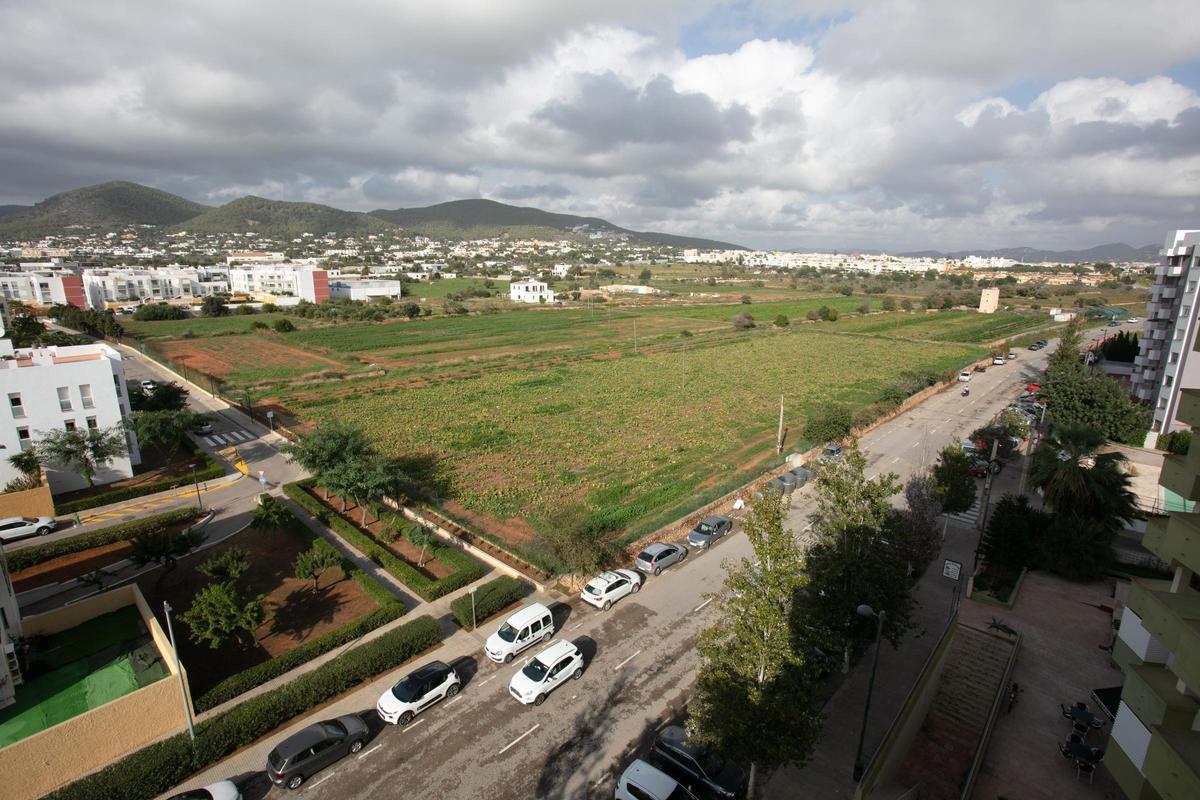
(43, 285)
(124, 285)
(304, 282)
(1154, 752)
(47, 388)
(1165, 364)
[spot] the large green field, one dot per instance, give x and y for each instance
(947, 326)
(436, 290)
(203, 327)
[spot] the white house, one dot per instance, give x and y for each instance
(304, 282)
(74, 387)
(364, 289)
(530, 291)
(561, 270)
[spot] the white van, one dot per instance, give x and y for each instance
(531, 624)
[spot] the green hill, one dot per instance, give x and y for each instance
(471, 219)
(8, 211)
(282, 220)
(107, 206)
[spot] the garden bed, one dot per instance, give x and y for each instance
(377, 528)
(997, 587)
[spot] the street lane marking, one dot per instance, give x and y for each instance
(412, 725)
(318, 783)
(697, 608)
(367, 753)
(455, 700)
(485, 680)
(933, 430)
(576, 625)
(947, 419)
(894, 460)
(603, 778)
(916, 444)
(519, 738)
(626, 661)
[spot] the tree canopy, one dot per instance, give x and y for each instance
(85, 450)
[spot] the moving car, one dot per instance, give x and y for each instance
(641, 781)
(980, 368)
(545, 672)
(998, 361)
(965, 375)
(418, 691)
(609, 587)
(14, 528)
(148, 386)
(832, 452)
(658, 556)
(1133, 320)
(307, 752)
(1012, 354)
(521, 630)
(695, 766)
(709, 529)
(221, 790)
(203, 429)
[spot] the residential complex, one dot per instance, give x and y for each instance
(75, 388)
(43, 285)
(1165, 364)
(306, 283)
(131, 285)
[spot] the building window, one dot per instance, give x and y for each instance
(23, 438)
(1175, 358)
(18, 410)
(92, 424)
(69, 424)
(1168, 381)
(85, 394)
(64, 398)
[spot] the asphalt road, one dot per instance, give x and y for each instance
(640, 658)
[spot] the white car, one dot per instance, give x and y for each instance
(148, 386)
(608, 587)
(15, 528)
(640, 781)
(1133, 320)
(221, 790)
(545, 672)
(998, 361)
(417, 692)
(964, 376)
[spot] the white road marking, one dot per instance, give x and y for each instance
(933, 430)
(211, 441)
(576, 625)
(412, 725)
(485, 680)
(455, 700)
(519, 738)
(626, 661)
(894, 460)
(318, 783)
(947, 419)
(702, 605)
(368, 752)
(220, 437)
(603, 778)
(916, 444)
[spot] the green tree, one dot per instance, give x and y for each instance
(270, 514)
(829, 423)
(86, 451)
(906, 304)
(23, 327)
(889, 304)
(1014, 534)
(781, 321)
(953, 481)
(214, 306)
(167, 429)
(323, 451)
(581, 542)
(168, 396)
(219, 611)
(746, 300)
(312, 563)
(756, 674)
(27, 461)
(163, 548)
(283, 325)
(367, 479)
(420, 536)
(915, 530)
(644, 276)
(226, 566)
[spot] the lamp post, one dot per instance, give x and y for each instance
(187, 708)
(472, 591)
(866, 611)
(196, 481)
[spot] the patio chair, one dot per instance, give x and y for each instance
(1062, 748)
(1082, 706)
(1066, 712)
(1098, 723)
(1081, 729)
(1083, 767)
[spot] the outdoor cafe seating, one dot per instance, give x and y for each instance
(1085, 756)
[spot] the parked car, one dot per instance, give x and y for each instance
(15, 528)
(1133, 320)
(980, 467)
(658, 556)
(221, 790)
(545, 672)
(832, 452)
(980, 368)
(964, 376)
(1012, 354)
(695, 766)
(531, 624)
(711, 528)
(641, 781)
(1114, 323)
(148, 386)
(998, 361)
(204, 429)
(304, 754)
(609, 587)
(417, 691)
(801, 475)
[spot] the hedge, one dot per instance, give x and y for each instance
(390, 608)
(466, 569)
(39, 553)
(160, 767)
(490, 598)
(213, 470)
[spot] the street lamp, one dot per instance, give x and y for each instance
(866, 611)
(196, 481)
(472, 591)
(187, 708)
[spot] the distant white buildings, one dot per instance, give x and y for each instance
(530, 291)
(857, 262)
(354, 289)
(131, 285)
(630, 288)
(304, 282)
(43, 284)
(48, 388)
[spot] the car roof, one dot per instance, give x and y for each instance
(432, 668)
(556, 651)
(715, 520)
(657, 547)
(676, 737)
(653, 780)
(528, 614)
(301, 740)
(11, 519)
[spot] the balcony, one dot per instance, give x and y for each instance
(1151, 694)
(1169, 270)
(1181, 478)
(1175, 538)
(1172, 761)
(1173, 619)
(1189, 406)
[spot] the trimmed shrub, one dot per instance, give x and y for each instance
(466, 569)
(39, 553)
(490, 598)
(154, 770)
(209, 472)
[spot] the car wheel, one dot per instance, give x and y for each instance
(508, 658)
(637, 587)
(607, 605)
(657, 571)
(405, 718)
(453, 690)
(354, 748)
(541, 698)
(295, 781)
(548, 636)
(683, 555)
(577, 674)
(43, 531)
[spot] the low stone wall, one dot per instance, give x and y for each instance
(35, 502)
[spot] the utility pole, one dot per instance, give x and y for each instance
(187, 708)
(987, 487)
(779, 438)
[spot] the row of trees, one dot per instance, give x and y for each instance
(345, 462)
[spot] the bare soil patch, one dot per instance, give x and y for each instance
(223, 356)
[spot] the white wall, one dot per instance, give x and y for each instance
(1131, 735)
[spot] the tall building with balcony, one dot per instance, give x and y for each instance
(1154, 751)
(1165, 365)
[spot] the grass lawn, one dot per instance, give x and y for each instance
(204, 327)
(945, 326)
(85, 667)
(436, 290)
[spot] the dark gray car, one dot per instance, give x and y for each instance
(708, 530)
(696, 767)
(303, 754)
(658, 556)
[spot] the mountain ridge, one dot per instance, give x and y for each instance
(116, 204)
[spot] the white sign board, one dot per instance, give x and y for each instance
(951, 570)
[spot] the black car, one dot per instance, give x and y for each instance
(304, 754)
(699, 769)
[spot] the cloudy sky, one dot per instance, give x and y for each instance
(894, 124)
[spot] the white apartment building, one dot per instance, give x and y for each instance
(75, 387)
(1166, 363)
(530, 291)
(304, 282)
(254, 257)
(42, 286)
(364, 289)
(124, 285)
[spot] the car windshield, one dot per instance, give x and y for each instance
(275, 760)
(28, 519)
(592, 588)
(406, 690)
(535, 670)
(507, 632)
(704, 527)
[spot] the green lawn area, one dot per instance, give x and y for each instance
(436, 290)
(204, 327)
(945, 326)
(89, 665)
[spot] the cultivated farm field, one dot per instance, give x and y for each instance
(204, 327)
(947, 326)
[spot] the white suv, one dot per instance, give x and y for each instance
(608, 587)
(544, 672)
(417, 692)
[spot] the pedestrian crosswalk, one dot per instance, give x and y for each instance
(229, 437)
(970, 516)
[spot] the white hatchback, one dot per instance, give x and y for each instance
(608, 587)
(545, 672)
(417, 692)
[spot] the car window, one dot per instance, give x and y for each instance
(536, 626)
(507, 632)
(592, 588)
(524, 634)
(711, 762)
(621, 584)
(547, 623)
(321, 747)
(636, 792)
(30, 520)
(645, 556)
(704, 527)
(408, 689)
(535, 670)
